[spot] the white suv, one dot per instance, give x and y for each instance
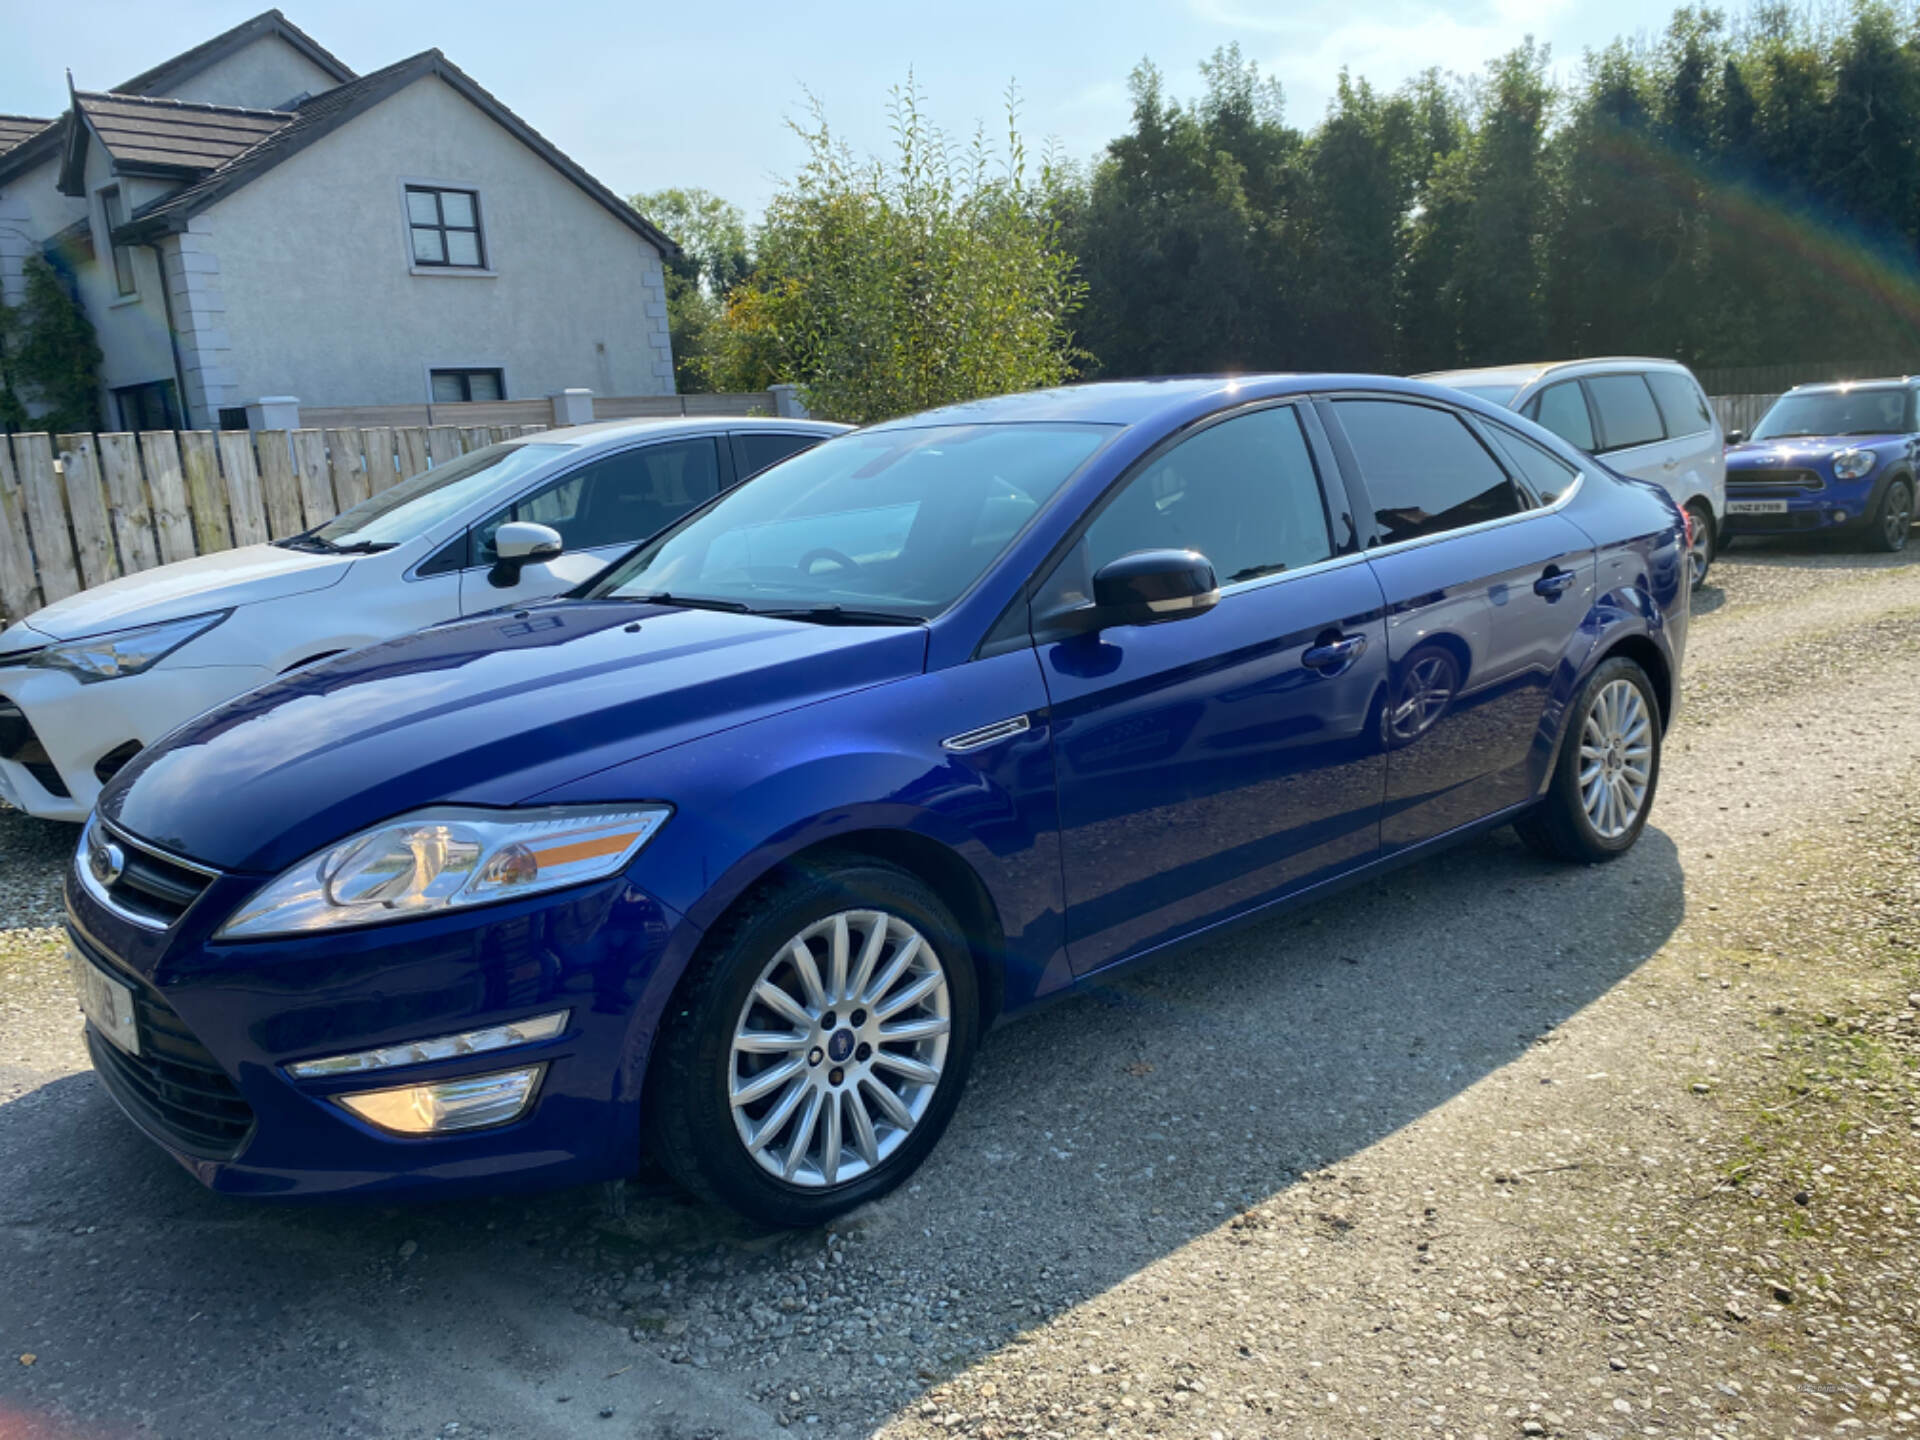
(1647, 418)
(89, 681)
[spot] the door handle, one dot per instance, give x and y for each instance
(1332, 656)
(1554, 583)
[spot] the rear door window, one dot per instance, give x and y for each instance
(1425, 472)
(755, 450)
(1682, 405)
(1563, 410)
(1628, 416)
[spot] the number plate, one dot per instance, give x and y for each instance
(1756, 507)
(105, 1002)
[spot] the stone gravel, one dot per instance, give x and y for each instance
(1488, 1147)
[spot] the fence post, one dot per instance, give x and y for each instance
(572, 407)
(274, 412)
(19, 588)
(786, 401)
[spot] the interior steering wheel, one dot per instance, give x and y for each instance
(826, 552)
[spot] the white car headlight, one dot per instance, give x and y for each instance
(124, 652)
(1852, 464)
(446, 859)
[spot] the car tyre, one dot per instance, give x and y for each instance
(1608, 769)
(696, 1123)
(1702, 552)
(1892, 522)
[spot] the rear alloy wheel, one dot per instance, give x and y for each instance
(1893, 523)
(817, 1047)
(1609, 766)
(1700, 550)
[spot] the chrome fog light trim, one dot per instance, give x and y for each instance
(441, 1047)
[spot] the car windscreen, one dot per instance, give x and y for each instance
(418, 503)
(894, 522)
(1881, 411)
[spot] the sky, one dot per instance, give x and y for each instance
(648, 95)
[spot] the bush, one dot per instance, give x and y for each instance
(886, 287)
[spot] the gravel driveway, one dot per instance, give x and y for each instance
(1489, 1147)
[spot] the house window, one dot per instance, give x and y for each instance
(116, 216)
(453, 385)
(233, 417)
(445, 228)
(153, 406)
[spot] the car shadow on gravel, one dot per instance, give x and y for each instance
(1099, 1136)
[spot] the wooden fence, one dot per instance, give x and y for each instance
(1741, 412)
(539, 412)
(79, 510)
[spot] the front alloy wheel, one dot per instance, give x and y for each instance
(1700, 549)
(817, 1045)
(1894, 524)
(839, 1048)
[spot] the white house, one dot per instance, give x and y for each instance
(252, 219)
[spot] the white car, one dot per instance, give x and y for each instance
(89, 681)
(1647, 418)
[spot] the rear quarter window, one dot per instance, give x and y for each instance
(1682, 405)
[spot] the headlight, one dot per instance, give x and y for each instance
(446, 859)
(124, 652)
(1852, 464)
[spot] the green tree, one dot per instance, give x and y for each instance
(888, 286)
(713, 259)
(55, 356)
(1183, 234)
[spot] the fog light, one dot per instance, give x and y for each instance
(1839, 515)
(440, 1047)
(448, 1105)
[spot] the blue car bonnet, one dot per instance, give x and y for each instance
(488, 711)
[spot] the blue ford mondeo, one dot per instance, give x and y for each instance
(731, 856)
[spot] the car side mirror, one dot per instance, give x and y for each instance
(1736, 437)
(1148, 587)
(517, 544)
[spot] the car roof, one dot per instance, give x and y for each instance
(1136, 402)
(607, 432)
(1532, 371)
(1883, 382)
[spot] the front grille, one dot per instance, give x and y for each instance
(115, 760)
(1775, 480)
(153, 888)
(173, 1085)
(19, 744)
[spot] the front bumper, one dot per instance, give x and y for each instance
(1813, 504)
(55, 732)
(219, 1024)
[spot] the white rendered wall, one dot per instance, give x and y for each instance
(322, 301)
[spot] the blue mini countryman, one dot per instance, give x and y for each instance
(1837, 458)
(733, 853)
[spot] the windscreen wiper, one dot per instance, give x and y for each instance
(689, 602)
(307, 540)
(361, 547)
(841, 615)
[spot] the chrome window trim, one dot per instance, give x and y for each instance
(1397, 546)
